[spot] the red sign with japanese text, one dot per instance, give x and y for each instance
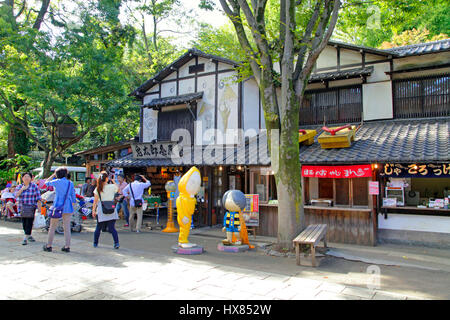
(355, 171)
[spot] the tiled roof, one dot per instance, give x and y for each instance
(343, 74)
(425, 140)
(416, 140)
(207, 158)
(422, 48)
(174, 100)
(178, 63)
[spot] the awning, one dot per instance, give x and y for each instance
(174, 100)
(341, 75)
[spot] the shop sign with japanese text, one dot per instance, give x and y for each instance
(157, 150)
(415, 170)
(354, 171)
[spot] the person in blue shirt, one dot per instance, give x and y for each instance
(65, 193)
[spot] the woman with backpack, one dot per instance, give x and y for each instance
(64, 203)
(104, 208)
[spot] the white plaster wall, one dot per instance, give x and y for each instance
(350, 57)
(377, 100)
(250, 105)
(414, 223)
(418, 61)
(150, 97)
(379, 72)
(373, 57)
(184, 69)
(168, 89)
(149, 124)
(209, 65)
(327, 58)
(186, 86)
(171, 76)
(227, 108)
(205, 108)
(153, 88)
(224, 66)
(423, 73)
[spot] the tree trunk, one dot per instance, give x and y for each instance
(47, 164)
(11, 149)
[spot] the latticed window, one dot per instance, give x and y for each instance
(334, 105)
(422, 97)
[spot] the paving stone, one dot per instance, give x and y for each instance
(327, 295)
(213, 291)
(388, 296)
(301, 283)
(359, 292)
(331, 287)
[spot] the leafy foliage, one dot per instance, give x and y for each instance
(413, 36)
(370, 22)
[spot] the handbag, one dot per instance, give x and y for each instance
(108, 207)
(39, 221)
(56, 212)
(27, 210)
(138, 202)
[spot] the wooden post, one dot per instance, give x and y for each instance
(374, 211)
(297, 252)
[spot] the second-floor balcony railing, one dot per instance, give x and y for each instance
(334, 105)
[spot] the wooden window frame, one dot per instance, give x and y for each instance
(337, 91)
(419, 98)
(350, 185)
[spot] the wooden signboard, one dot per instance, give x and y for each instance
(251, 211)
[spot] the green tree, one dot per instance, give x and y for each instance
(72, 71)
(414, 36)
(292, 34)
(370, 22)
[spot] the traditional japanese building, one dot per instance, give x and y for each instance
(396, 101)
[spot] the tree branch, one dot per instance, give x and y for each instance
(320, 40)
(18, 123)
(41, 14)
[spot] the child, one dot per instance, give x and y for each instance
(9, 199)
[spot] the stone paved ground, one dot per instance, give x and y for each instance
(145, 268)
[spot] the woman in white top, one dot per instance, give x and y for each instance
(107, 193)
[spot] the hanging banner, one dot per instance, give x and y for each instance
(355, 171)
(416, 170)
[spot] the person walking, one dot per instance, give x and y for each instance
(28, 198)
(134, 192)
(122, 202)
(105, 193)
(64, 195)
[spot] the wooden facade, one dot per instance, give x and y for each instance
(422, 97)
(375, 91)
(345, 225)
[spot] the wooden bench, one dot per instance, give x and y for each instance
(312, 235)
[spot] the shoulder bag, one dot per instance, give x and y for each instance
(108, 207)
(138, 202)
(56, 212)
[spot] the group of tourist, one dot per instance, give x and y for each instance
(128, 197)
